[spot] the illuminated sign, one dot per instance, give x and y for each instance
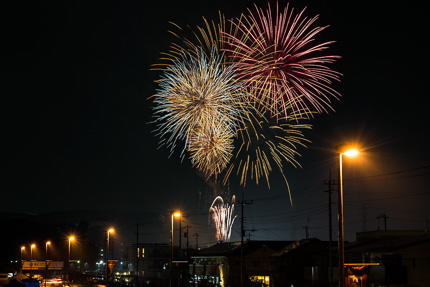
(41, 265)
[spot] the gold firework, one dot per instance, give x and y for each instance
(210, 148)
(196, 95)
(265, 144)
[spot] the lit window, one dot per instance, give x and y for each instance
(261, 279)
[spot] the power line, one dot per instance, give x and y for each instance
(390, 173)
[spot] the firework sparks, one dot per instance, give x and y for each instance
(194, 94)
(278, 58)
(236, 94)
(207, 38)
(264, 145)
(211, 150)
(223, 216)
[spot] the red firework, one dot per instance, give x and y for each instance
(280, 61)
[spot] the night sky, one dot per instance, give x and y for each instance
(76, 119)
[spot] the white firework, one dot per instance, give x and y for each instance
(223, 216)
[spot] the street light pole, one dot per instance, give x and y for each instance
(31, 258)
(109, 231)
(171, 253)
(340, 227)
(174, 214)
(31, 251)
(350, 152)
(22, 250)
(46, 249)
(71, 238)
(46, 259)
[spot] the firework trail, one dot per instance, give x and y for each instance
(223, 216)
(277, 56)
(263, 144)
(195, 95)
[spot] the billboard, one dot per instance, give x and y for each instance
(41, 265)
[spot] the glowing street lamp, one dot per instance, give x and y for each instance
(33, 245)
(22, 249)
(31, 250)
(47, 243)
(176, 214)
(71, 238)
(108, 232)
(350, 152)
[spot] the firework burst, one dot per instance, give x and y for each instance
(194, 95)
(223, 216)
(263, 145)
(235, 95)
(210, 148)
(277, 56)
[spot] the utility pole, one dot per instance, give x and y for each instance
(364, 217)
(306, 227)
(196, 235)
(242, 235)
(330, 182)
(137, 254)
(180, 235)
(249, 232)
(383, 216)
(187, 240)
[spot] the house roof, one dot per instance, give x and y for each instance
(233, 248)
(312, 243)
(386, 244)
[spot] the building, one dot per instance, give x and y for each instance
(222, 264)
(389, 258)
(306, 263)
(375, 259)
(150, 262)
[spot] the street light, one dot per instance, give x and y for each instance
(31, 258)
(174, 214)
(71, 238)
(350, 152)
(47, 243)
(46, 248)
(22, 250)
(31, 250)
(108, 232)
